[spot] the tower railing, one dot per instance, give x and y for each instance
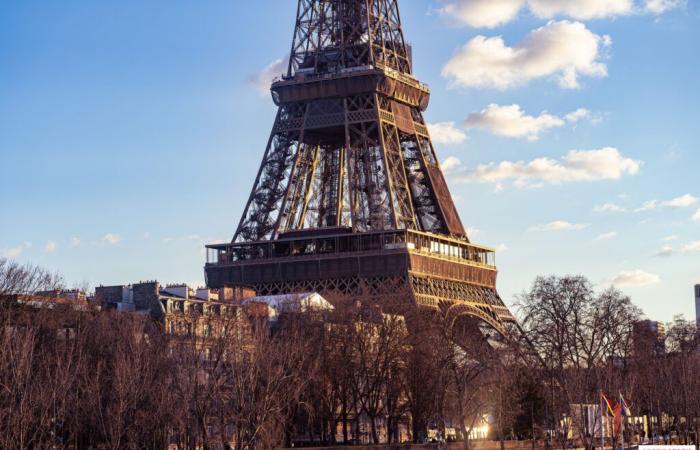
(438, 246)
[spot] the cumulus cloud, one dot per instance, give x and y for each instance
(512, 121)
(75, 241)
(582, 10)
(684, 201)
(563, 50)
(664, 252)
(609, 208)
(578, 165)
(50, 247)
(577, 115)
(481, 13)
(14, 252)
(493, 13)
(606, 236)
(262, 80)
(111, 238)
(450, 163)
(471, 231)
(693, 247)
(559, 225)
(662, 6)
(696, 216)
(446, 133)
(635, 278)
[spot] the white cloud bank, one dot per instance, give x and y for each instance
(262, 80)
(634, 278)
(111, 238)
(665, 252)
(511, 121)
(559, 225)
(493, 13)
(662, 6)
(446, 133)
(609, 208)
(684, 201)
(563, 50)
(693, 247)
(14, 252)
(481, 13)
(578, 165)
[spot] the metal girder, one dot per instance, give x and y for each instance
(350, 150)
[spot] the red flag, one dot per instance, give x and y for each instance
(617, 423)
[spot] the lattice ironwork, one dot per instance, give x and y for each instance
(350, 151)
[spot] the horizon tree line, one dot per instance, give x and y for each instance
(79, 379)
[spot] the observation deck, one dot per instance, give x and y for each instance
(352, 81)
(440, 270)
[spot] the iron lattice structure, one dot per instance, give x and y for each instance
(350, 157)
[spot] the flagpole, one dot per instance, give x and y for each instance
(622, 420)
(602, 423)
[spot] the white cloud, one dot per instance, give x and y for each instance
(575, 116)
(559, 225)
(50, 247)
(481, 13)
(581, 9)
(693, 247)
(75, 241)
(563, 50)
(446, 133)
(662, 6)
(696, 216)
(450, 163)
(665, 252)
(609, 208)
(13, 252)
(635, 278)
(111, 238)
(684, 201)
(492, 13)
(471, 231)
(606, 236)
(671, 238)
(511, 121)
(262, 80)
(502, 248)
(648, 206)
(578, 165)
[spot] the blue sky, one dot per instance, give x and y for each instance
(130, 133)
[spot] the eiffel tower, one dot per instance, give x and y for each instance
(350, 199)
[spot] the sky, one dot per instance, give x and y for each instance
(131, 132)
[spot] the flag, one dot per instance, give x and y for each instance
(624, 408)
(617, 422)
(608, 405)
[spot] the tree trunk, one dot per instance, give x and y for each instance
(373, 427)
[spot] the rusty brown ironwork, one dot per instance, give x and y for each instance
(350, 163)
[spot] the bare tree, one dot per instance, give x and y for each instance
(18, 279)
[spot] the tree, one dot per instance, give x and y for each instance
(582, 340)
